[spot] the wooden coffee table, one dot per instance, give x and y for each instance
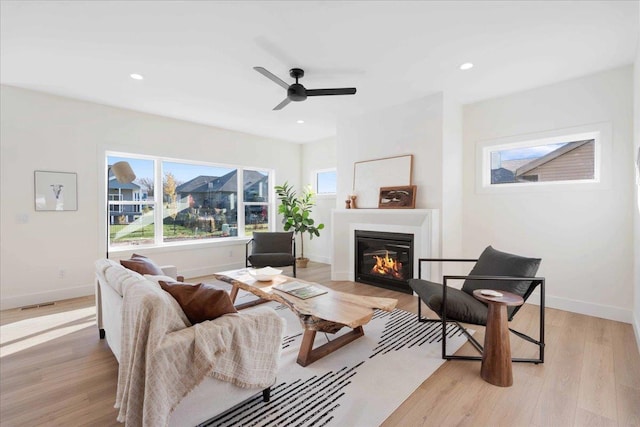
(328, 312)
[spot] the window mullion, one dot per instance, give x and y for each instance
(157, 197)
(241, 207)
(272, 201)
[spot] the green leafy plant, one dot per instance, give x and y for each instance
(296, 211)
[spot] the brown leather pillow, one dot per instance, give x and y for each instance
(200, 302)
(141, 264)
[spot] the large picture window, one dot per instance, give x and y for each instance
(173, 201)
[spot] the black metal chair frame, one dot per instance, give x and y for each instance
(535, 282)
(250, 242)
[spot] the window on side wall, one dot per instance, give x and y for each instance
(325, 182)
(572, 158)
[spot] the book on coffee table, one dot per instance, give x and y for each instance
(300, 290)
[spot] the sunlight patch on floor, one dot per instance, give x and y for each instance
(23, 334)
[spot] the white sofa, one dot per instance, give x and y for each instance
(211, 397)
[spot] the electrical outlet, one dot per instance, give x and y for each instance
(230, 254)
(61, 273)
(22, 218)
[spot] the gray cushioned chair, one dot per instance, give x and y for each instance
(271, 249)
(496, 270)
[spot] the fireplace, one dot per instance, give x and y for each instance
(384, 259)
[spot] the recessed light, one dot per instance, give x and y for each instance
(466, 66)
(135, 76)
(300, 122)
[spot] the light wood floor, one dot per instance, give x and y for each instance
(55, 371)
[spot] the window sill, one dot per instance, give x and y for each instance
(181, 246)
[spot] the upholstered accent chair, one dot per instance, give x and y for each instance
(495, 270)
(271, 249)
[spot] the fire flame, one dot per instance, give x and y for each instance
(387, 266)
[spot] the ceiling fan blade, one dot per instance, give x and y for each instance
(282, 104)
(272, 77)
(324, 92)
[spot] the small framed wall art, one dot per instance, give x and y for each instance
(56, 191)
(397, 197)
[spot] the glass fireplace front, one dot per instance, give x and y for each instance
(384, 259)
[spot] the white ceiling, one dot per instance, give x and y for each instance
(197, 57)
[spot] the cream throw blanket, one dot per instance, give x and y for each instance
(164, 358)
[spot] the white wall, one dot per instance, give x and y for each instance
(581, 235)
(636, 207)
(319, 155)
(44, 132)
(452, 149)
(411, 128)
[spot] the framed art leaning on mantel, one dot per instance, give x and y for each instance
(370, 175)
(398, 197)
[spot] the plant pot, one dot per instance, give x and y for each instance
(302, 262)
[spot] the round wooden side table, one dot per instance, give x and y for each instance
(496, 357)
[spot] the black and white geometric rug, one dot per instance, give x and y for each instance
(360, 384)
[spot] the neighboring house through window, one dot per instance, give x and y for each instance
(570, 158)
(197, 201)
(566, 161)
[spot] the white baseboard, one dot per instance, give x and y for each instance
(587, 308)
(591, 309)
(322, 259)
(339, 275)
(574, 306)
(45, 297)
(636, 329)
(84, 290)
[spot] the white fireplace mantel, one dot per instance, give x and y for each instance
(422, 223)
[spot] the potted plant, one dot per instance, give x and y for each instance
(296, 211)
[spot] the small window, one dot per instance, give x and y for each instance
(559, 159)
(326, 182)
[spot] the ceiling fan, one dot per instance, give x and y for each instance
(297, 92)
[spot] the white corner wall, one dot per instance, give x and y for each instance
(316, 156)
(46, 256)
(636, 207)
(451, 216)
(411, 128)
(583, 236)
